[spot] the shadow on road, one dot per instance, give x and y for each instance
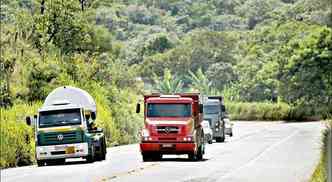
(179, 160)
(75, 162)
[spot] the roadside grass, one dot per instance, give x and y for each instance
(258, 111)
(16, 138)
(320, 173)
(266, 111)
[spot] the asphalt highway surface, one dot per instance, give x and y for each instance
(258, 152)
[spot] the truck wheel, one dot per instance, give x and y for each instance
(231, 134)
(104, 150)
(200, 154)
(192, 157)
(90, 158)
(210, 141)
(220, 139)
(40, 163)
(103, 155)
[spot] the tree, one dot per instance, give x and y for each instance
(169, 84)
(307, 75)
(63, 24)
(221, 75)
(199, 82)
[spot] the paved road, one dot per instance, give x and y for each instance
(259, 151)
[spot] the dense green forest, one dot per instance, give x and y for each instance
(270, 59)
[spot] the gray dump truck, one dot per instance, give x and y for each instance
(214, 113)
(65, 128)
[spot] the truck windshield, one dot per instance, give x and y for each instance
(59, 118)
(211, 109)
(169, 110)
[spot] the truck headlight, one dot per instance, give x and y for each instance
(188, 138)
(145, 132)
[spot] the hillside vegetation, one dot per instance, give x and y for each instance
(271, 59)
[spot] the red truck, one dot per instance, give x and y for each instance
(172, 125)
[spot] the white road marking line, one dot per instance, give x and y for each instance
(252, 161)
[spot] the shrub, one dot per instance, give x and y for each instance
(258, 111)
(17, 139)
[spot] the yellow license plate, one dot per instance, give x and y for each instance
(70, 150)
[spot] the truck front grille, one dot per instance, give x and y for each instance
(167, 129)
(58, 138)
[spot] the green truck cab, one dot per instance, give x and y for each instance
(65, 128)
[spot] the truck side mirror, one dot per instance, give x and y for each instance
(28, 120)
(200, 108)
(138, 108)
(34, 121)
(93, 115)
(223, 108)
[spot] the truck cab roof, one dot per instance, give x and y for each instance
(169, 100)
(59, 107)
(212, 102)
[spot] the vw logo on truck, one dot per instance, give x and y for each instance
(60, 137)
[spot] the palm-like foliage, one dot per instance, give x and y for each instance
(169, 84)
(199, 82)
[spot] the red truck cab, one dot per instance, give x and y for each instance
(172, 125)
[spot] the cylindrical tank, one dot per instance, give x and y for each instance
(70, 95)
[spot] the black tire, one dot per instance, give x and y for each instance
(40, 163)
(220, 139)
(192, 157)
(210, 141)
(53, 162)
(90, 159)
(200, 153)
(196, 157)
(231, 134)
(99, 155)
(104, 150)
(103, 156)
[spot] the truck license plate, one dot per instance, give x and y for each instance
(59, 148)
(70, 150)
(167, 145)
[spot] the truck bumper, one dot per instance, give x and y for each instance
(74, 150)
(168, 148)
(218, 132)
(228, 131)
